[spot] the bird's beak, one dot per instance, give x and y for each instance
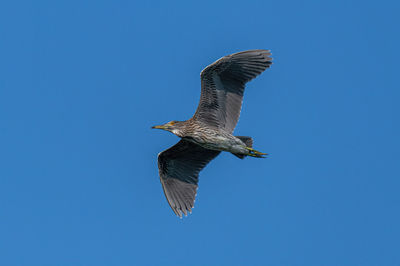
(159, 127)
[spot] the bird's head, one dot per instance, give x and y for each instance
(175, 127)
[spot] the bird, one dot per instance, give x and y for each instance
(210, 130)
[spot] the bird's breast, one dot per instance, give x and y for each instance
(213, 142)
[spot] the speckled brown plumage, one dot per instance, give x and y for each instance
(210, 129)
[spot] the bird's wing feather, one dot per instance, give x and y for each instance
(222, 87)
(179, 168)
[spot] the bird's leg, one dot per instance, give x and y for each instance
(254, 153)
(256, 156)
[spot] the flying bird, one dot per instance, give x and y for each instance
(210, 129)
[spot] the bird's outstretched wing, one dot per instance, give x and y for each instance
(222, 87)
(179, 168)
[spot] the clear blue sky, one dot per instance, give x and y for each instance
(82, 82)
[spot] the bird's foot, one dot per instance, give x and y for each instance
(254, 153)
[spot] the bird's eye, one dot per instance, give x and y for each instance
(172, 123)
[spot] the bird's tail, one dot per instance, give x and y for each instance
(246, 140)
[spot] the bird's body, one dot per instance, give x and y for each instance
(210, 137)
(210, 130)
(221, 141)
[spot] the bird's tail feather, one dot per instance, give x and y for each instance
(246, 140)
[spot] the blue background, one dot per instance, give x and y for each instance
(82, 82)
